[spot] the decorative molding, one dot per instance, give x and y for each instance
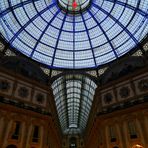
(143, 85)
(6, 86)
(23, 92)
(124, 92)
(108, 98)
(40, 98)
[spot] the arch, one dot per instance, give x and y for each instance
(137, 146)
(11, 146)
(73, 142)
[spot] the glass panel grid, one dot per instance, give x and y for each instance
(106, 30)
(73, 96)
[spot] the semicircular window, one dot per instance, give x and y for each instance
(102, 32)
(73, 96)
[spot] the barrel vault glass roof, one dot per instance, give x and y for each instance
(73, 96)
(105, 31)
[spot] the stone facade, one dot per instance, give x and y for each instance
(119, 117)
(27, 113)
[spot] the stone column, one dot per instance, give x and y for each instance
(107, 137)
(29, 135)
(6, 132)
(104, 141)
(1, 127)
(22, 134)
(140, 133)
(45, 138)
(26, 128)
(146, 125)
(126, 134)
(41, 137)
(120, 135)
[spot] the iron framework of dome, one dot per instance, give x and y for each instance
(45, 32)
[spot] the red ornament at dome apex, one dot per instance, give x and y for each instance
(74, 4)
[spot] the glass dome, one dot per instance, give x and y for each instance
(105, 31)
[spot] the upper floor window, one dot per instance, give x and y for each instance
(132, 129)
(112, 131)
(35, 137)
(16, 130)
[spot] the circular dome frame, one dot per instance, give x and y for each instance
(90, 56)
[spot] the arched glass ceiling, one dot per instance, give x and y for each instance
(105, 31)
(73, 96)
